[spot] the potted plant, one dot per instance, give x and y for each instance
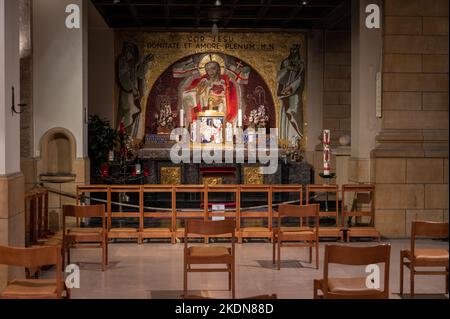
(101, 140)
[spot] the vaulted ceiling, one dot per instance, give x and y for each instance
(192, 15)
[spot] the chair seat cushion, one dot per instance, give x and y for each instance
(199, 251)
(353, 286)
(30, 287)
(437, 255)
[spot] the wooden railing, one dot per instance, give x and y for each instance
(175, 215)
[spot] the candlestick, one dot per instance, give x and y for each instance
(326, 152)
(181, 118)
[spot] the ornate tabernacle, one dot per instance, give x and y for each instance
(211, 128)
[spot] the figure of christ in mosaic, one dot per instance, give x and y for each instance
(208, 81)
(212, 87)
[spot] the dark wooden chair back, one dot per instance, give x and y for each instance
(30, 257)
(303, 212)
(429, 229)
(84, 211)
(298, 210)
(210, 228)
(34, 257)
(358, 256)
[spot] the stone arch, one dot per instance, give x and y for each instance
(58, 153)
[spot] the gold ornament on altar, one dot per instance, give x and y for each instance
(253, 176)
(170, 175)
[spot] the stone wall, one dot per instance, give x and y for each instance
(336, 113)
(337, 85)
(410, 163)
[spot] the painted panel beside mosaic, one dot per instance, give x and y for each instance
(165, 80)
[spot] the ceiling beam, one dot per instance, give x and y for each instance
(336, 16)
(262, 11)
(198, 6)
(167, 13)
(292, 16)
(233, 8)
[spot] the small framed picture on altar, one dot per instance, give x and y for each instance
(211, 128)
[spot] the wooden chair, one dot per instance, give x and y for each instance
(262, 214)
(329, 231)
(124, 212)
(203, 255)
(307, 236)
(353, 288)
(30, 258)
(166, 215)
(428, 257)
(85, 237)
(366, 191)
(183, 215)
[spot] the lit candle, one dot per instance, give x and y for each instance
(138, 169)
(240, 118)
(181, 118)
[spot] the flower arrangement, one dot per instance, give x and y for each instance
(258, 118)
(293, 150)
(165, 118)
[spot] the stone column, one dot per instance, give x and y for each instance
(12, 219)
(411, 158)
(366, 62)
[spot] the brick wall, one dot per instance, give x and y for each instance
(411, 162)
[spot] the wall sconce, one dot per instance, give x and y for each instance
(13, 107)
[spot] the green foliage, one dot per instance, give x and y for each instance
(102, 138)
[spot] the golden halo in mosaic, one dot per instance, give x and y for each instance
(211, 58)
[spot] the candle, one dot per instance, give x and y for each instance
(194, 132)
(326, 153)
(240, 118)
(111, 156)
(138, 169)
(181, 118)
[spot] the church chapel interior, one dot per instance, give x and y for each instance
(224, 149)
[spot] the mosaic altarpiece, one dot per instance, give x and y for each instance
(167, 80)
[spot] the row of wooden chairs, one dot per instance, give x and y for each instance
(175, 214)
(306, 236)
(328, 287)
(412, 258)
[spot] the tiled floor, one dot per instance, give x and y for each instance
(154, 270)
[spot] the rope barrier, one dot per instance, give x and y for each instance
(70, 195)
